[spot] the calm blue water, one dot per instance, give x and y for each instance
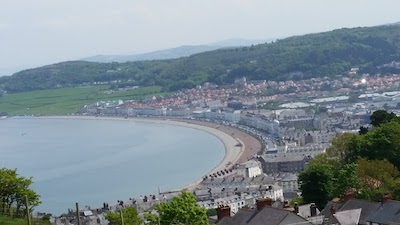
(96, 161)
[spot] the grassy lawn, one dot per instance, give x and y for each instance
(66, 100)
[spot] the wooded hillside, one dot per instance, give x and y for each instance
(298, 57)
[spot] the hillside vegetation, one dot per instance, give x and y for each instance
(307, 56)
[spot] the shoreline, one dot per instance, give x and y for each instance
(233, 153)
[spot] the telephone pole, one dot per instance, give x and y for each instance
(27, 210)
(122, 216)
(77, 214)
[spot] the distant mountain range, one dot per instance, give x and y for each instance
(178, 52)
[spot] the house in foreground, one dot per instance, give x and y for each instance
(361, 212)
(264, 214)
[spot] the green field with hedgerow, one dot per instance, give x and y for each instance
(66, 100)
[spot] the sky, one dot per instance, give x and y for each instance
(41, 32)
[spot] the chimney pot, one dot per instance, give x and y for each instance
(286, 204)
(332, 209)
(313, 210)
(296, 208)
(385, 197)
(261, 203)
(223, 211)
(349, 194)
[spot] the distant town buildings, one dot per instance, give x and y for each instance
(295, 122)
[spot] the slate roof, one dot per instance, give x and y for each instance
(327, 210)
(367, 208)
(278, 204)
(266, 216)
(249, 164)
(348, 217)
(349, 209)
(272, 215)
(235, 181)
(289, 177)
(389, 212)
(289, 158)
(239, 218)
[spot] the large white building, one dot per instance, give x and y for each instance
(177, 112)
(251, 168)
(232, 117)
(261, 123)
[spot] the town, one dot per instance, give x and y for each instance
(293, 120)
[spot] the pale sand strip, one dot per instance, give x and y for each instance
(232, 152)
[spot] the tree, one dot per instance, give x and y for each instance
(13, 189)
(345, 179)
(380, 143)
(323, 158)
(363, 130)
(316, 184)
(297, 200)
(130, 216)
(381, 116)
(337, 153)
(377, 177)
(211, 212)
(381, 171)
(340, 146)
(182, 209)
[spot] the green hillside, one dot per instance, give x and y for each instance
(312, 55)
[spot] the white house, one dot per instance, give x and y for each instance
(251, 168)
(235, 202)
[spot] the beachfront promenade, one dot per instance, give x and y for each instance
(239, 147)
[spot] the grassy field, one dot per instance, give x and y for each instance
(66, 100)
(4, 220)
(12, 221)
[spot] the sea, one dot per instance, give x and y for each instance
(95, 161)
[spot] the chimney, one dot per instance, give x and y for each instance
(261, 203)
(386, 197)
(349, 194)
(296, 208)
(332, 209)
(286, 204)
(313, 210)
(223, 211)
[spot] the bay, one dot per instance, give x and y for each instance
(96, 161)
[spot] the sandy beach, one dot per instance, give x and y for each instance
(229, 136)
(251, 145)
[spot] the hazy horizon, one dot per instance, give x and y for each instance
(46, 31)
